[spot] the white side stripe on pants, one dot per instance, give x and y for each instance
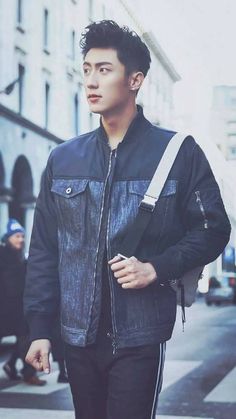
(159, 378)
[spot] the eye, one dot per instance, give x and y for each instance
(86, 70)
(104, 70)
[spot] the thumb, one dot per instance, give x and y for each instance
(46, 363)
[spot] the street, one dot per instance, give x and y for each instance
(199, 380)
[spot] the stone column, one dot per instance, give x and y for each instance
(5, 198)
(3, 217)
(29, 216)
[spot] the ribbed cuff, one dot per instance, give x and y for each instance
(40, 326)
(166, 268)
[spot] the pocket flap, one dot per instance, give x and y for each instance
(68, 188)
(170, 188)
(139, 187)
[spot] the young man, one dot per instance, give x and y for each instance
(115, 315)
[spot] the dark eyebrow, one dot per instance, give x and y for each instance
(98, 64)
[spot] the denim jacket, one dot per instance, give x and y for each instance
(89, 196)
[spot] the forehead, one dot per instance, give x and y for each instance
(17, 235)
(96, 55)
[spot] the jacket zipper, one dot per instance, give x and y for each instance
(202, 209)
(114, 330)
(100, 221)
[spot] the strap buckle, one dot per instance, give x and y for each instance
(148, 203)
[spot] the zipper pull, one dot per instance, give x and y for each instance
(114, 347)
(202, 209)
(113, 342)
(198, 196)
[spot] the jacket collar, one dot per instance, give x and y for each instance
(135, 130)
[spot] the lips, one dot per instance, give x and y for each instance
(93, 96)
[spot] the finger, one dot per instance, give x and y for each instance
(129, 268)
(33, 359)
(121, 273)
(38, 365)
(122, 264)
(131, 285)
(119, 265)
(113, 260)
(126, 279)
(46, 363)
(134, 285)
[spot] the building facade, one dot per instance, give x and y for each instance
(223, 120)
(223, 134)
(42, 102)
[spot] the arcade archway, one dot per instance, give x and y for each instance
(22, 185)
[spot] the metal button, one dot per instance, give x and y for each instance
(68, 190)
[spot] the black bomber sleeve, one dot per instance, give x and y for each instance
(41, 295)
(207, 227)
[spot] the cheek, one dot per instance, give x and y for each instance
(116, 90)
(11, 241)
(114, 83)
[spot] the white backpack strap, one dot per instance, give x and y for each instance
(156, 185)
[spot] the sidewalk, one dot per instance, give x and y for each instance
(57, 414)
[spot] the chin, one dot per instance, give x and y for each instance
(96, 111)
(95, 108)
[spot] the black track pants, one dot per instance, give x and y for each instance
(121, 386)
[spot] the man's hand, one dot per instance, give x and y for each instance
(131, 273)
(38, 355)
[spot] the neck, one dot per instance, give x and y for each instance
(116, 125)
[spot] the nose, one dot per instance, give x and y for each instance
(91, 81)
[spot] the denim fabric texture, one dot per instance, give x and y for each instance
(89, 197)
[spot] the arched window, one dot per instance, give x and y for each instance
(22, 185)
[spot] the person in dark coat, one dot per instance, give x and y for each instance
(12, 282)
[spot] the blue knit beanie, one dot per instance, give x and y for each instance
(13, 226)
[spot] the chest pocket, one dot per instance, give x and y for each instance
(139, 189)
(165, 212)
(71, 200)
(170, 188)
(136, 191)
(69, 188)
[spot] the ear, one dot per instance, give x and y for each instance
(136, 80)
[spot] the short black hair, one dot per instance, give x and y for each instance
(132, 52)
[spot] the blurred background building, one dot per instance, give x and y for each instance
(223, 133)
(42, 102)
(223, 121)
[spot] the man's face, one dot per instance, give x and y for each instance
(106, 83)
(17, 241)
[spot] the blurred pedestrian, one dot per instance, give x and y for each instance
(12, 282)
(214, 282)
(116, 312)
